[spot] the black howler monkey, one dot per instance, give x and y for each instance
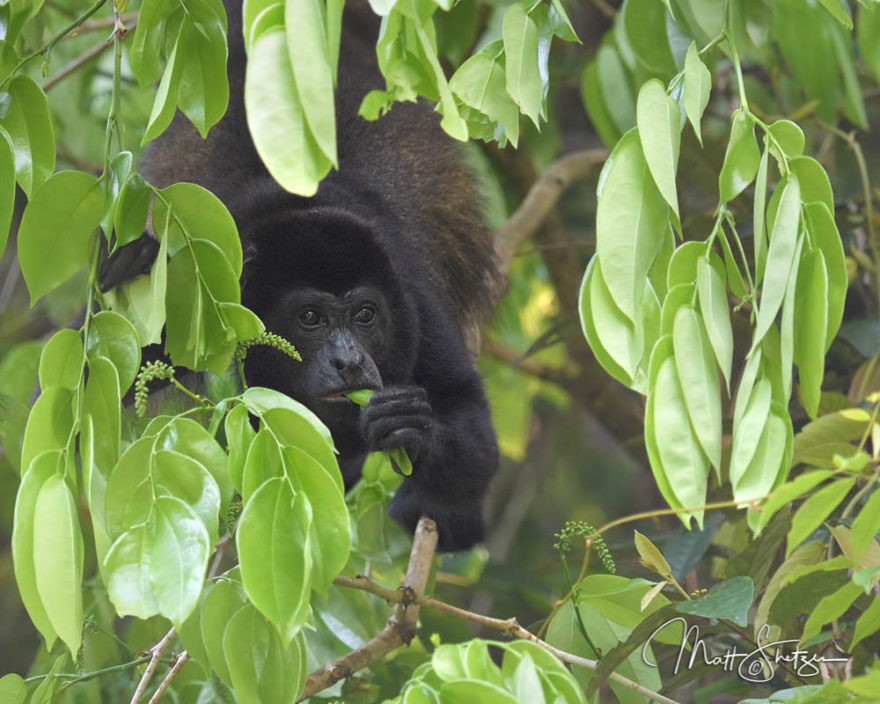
(379, 280)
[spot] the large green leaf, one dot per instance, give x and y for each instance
(312, 70)
(28, 124)
(780, 256)
(697, 86)
(811, 315)
(631, 222)
(659, 122)
(276, 116)
(698, 373)
(520, 35)
(742, 157)
(58, 559)
(274, 550)
(53, 241)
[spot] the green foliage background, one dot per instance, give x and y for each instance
(723, 268)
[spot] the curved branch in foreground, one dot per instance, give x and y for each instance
(542, 198)
(401, 627)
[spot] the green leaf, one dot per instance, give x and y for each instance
(331, 535)
(7, 189)
(867, 624)
(788, 492)
(49, 424)
(58, 560)
(841, 14)
(113, 337)
(312, 70)
(729, 600)
(790, 138)
(748, 429)
(758, 219)
(127, 566)
(102, 401)
(480, 83)
(644, 24)
(261, 667)
(698, 374)
(681, 459)
(239, 436)
(811, 313)
(780, 257)
(712, 291)
(165, 103)
(223, 600)
(467, 692)
(187, 479)
(830, 608)
(631, 222)
(53, 241)
(815, 510)
(131, 209)
(813, 181)
(180, 553)
(203, 91)
(35, 475)
(274, 551)
(61, 363)
(823, 231)
(650, 556)
(659, 123)
(741, 159)
(361, 397)
(12, 689)
(275, 116)
(612, 88)
(867, 31)
(129, 497)
(866, 524)
(766, 464)
(697, 87)
(524, 85)
(149, 37)
(831, 434)
(28, 124)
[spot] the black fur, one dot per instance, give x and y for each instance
(397, 229)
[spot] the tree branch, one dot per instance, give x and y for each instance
(542, 198)
(156, 653)
(399, 629)
(509, 626)
(531, 367)
(181, 660)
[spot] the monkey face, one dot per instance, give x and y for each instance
(343, 339)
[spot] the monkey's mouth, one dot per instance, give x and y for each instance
(338, 396)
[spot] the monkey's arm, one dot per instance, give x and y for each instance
(443, 422)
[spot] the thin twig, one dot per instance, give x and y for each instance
(77, 63)
(156, 653)
(129, 20)
(172, 673)
(399, 629)
(529, 366)
(542, 198)
(510, 626)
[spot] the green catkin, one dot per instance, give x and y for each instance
(581, 529)
(151, 371)
(268, 339)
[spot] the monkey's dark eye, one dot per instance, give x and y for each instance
(309, 317)
(365, 315)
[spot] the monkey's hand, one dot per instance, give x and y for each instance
(398, 417)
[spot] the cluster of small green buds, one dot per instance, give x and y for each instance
(151, 371)
(269, 339)
(581, 529)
